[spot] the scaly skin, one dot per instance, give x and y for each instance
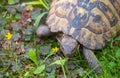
(92, 60)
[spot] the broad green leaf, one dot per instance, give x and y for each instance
(28, 30)
(45, 50)
(60, 61)
(38, 20)
(18, 16)
(16, 37)
(16, 66)
(17, 27)
(2, 21)
(35, 13)
(27, 37)
(39, 69)
(33, 57)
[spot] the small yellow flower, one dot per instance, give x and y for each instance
(9, 35)
(56, 49)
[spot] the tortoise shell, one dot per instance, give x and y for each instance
(91, 22)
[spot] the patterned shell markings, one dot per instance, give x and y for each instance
(91, 22)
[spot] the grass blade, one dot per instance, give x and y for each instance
(34, 3)
(38, 20)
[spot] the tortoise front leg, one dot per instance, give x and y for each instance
(68, 45)
(92, 60)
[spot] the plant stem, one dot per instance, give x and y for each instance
(63, 70)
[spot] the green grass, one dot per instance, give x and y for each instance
(109, 58)
(18, 62)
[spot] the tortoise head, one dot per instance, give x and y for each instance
(43, 31)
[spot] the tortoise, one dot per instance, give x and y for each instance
(90, 23)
